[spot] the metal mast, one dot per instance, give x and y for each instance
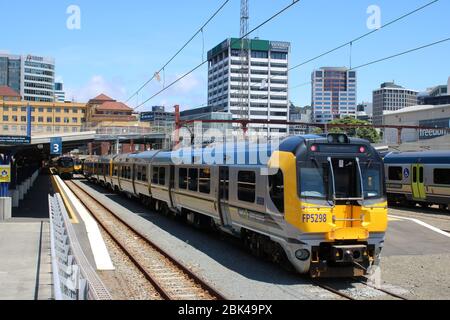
(245, 69)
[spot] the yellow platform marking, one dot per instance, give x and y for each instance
(72, 215)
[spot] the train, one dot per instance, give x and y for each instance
(316, 203)
(65, 167)
(418, 178)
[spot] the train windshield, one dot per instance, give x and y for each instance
(340, 179)
(65, 163)
(314, 180)
(373, 180)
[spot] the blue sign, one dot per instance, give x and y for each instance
(147, 116)
(14, 140)
(406, 173)
(56, 146)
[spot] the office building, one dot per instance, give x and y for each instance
(33, 77)
(333, 94)
(253, 87)
(47, 117)
(60, 95)
(391, 97)
(438, 95)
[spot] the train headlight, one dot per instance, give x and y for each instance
(302, 254)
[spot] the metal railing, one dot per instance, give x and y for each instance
(73, 276)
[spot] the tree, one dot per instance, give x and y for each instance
(367, 133)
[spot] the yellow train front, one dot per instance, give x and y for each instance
(335, 204)
(65, 167)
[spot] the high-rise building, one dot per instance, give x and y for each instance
(333, 94)
(32, 76)
(60, 95)
(265, 85)
(438, 95)
(391, 97)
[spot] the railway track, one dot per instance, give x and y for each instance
(326, 286)
(169, 277)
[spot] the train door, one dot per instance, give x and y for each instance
(223, 196)
(418, 182)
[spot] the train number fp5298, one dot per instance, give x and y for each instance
(314, 218)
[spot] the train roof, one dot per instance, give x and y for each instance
(430, 157)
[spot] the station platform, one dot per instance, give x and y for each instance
(25, 268)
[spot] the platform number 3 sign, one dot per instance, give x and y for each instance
(56, 146)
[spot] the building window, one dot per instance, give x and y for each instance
(15, 118)
(247, 186)
(74, 120)
(278, 55)
(49, 110)
(66, 120)
(58, 120)
(6, 109)
(41, 110)
(58, 110)
(75, 110)
(260, 54)
(66, 110)
(49, 119)
(41, 119)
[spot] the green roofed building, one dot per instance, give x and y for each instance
(262, 78)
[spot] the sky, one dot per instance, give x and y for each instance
(121, 44)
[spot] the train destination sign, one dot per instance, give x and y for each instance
(14, 140)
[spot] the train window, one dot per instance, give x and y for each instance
(421, 176)
(155, 175)
(138, 173)
(224, 182)
(193, 179)
(442, 176)
(205, 181)
(247, 186)
(395, 173)
(162, 176)
(373, 181)
(276, 188)
(182, 178)
(414, 178)
(144, 174)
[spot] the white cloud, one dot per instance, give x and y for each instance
(97, 85)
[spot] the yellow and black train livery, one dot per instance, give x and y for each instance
(319, 202)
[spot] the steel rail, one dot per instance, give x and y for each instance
(158, 286)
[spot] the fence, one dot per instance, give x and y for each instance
(73, 277)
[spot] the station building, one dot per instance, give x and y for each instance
(434, 118)
(47, 117)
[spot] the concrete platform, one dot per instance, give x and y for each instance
(25, 268)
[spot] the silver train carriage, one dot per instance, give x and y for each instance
(419, 178)
(319, 202)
